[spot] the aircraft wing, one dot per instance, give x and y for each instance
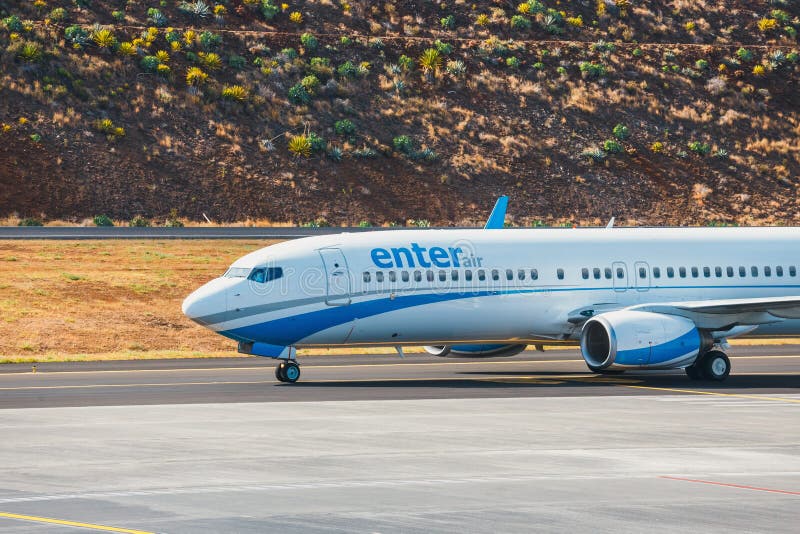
(726, 313)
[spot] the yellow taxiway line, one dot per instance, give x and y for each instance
(89, 526)
(716, 393)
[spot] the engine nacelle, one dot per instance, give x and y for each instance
(626, 339)
(476, 351)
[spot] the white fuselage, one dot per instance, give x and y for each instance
(465, 286)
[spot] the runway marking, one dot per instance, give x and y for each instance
(89, 526)
(729, 485)
(699, 392)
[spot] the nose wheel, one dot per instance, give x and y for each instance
(287, 371)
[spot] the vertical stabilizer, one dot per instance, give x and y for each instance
(498, 216)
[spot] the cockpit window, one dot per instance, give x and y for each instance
(265, 274)
(237, 272)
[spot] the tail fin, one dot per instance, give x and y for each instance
(498, 216)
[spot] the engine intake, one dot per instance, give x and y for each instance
(626, 339)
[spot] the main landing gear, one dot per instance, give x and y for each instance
(288, 371)
(713, 365)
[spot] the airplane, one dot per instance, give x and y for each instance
(631, 298)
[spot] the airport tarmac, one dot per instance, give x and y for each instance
(378, 444)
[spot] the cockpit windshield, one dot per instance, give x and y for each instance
(237, 272)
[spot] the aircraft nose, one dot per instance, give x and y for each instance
(205, 304)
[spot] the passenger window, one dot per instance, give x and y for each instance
(656, 272)
(392, 276)
(521, 274)
(468, 275)
(620, 273)
(729, 272)
(454, 275)
(608, 273)
(695, 272)
(778, 271)
(509, 274)
(495, 275)
(560, 274)
(754, 270)
(585, 273)
(366, 278)
(442, 276)
(481, 275)
(534, 274)
(429, 275)
(718, 271)
(642, 272)
(682, 272)
(767, 270)
(742, 271)
(596, 273)
(404, 276)
(379, 276)
(792, 270)
(707, 272)
(418, 276)
(670, 272)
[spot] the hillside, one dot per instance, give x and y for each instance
(656, 112)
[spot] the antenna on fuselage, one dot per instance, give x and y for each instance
(497, 218)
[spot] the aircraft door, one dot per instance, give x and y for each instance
(337, 277)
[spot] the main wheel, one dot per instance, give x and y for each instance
(716, 366)
(279, 372)
(291, 372)
(694, 372)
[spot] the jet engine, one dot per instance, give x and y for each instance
(635, 339)
(475, 351)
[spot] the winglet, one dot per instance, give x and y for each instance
(610, 224)
(498, 216)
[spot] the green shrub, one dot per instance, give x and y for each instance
(335, 153)
(744, 54)
(365, 224)
(309, 42)
(344, 127)
(561, 71)
(594, 153)
(30, 52)
(405, 62)
(699, 148)
(36, 137)
(513, 62)
(13, 23)
(58, 14)
(621, 132)
(637, 52)
(612, 146)
(592, 70)
(347, 70)
(156, 18)
(603, 47)
(403, 143)
(448, 22)
(701, 64)
(102, 220)
(518, 22)
(345, 41)
(198, 8)
(299, 95)
(150, 63)
(442, 47)
(173, 221)
(365, 153)
(139, 222)
(30, 221)
(311, 83)
(269, 9)
(76, 35)
(290, 53)
(316, 142)
(210, 41)
(538, 66)
(237, 62)
(119, 16)
(792, 57)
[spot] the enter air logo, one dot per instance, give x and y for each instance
(418, 256)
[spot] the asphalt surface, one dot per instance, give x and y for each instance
(560, 373)
(379, 444)
(122, 232)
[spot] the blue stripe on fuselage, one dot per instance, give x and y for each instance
(289, 330)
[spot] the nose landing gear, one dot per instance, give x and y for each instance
(288, 371)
